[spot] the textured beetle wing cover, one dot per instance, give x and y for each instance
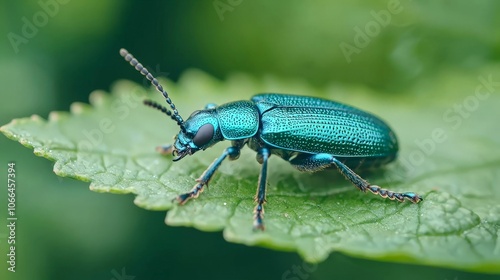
(338, 132)
(266, 101)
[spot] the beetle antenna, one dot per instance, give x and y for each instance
(174, 114)
(163, 109)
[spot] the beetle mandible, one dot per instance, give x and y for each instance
(310, 133)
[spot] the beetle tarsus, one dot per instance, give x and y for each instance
(258, 222)
(411, 196)
(194, 193)
(183, 198)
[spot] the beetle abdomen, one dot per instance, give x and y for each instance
(342, 133)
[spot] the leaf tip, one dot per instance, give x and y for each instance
(97, 98)
(56, 116)
(77, 108)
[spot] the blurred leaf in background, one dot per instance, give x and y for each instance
(397, 42)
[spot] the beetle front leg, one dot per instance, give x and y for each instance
(262, 157)
(318, 162)
(233, 152)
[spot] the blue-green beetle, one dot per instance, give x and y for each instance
(311, 133)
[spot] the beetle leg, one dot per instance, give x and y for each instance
(364, 185)
(262, 157)
(233, 152)
(320, 161)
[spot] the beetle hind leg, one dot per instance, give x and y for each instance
(312, 163)
(262, 157)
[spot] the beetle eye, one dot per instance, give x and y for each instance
(204, 135)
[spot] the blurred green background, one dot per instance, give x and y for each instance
(54, 53)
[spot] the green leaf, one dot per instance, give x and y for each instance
(449, 154)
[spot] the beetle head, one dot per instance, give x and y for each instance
(201, 132)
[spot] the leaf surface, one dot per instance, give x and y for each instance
(449, 154)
